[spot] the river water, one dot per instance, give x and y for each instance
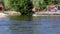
(30, 25)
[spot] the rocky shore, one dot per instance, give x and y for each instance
(46, 13)
(12, 13)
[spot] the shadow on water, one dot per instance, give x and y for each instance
(23, 24)
(25, 18)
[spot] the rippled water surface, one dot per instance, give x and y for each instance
(30, 25)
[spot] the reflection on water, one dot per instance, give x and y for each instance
(30, 25)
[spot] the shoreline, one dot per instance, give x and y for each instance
(12, 13)
(46, 14)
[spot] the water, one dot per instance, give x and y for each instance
(30, 25)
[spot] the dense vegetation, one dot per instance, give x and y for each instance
(42, 4)
(25, 6)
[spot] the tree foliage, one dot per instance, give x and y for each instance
(24, 6)
(42, 4)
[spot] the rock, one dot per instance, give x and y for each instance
(13, 13)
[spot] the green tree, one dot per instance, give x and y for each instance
(40, 4)
(24, 6)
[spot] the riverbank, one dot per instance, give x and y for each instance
(46, 14)
(12, 13)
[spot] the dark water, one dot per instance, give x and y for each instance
(30, 25)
